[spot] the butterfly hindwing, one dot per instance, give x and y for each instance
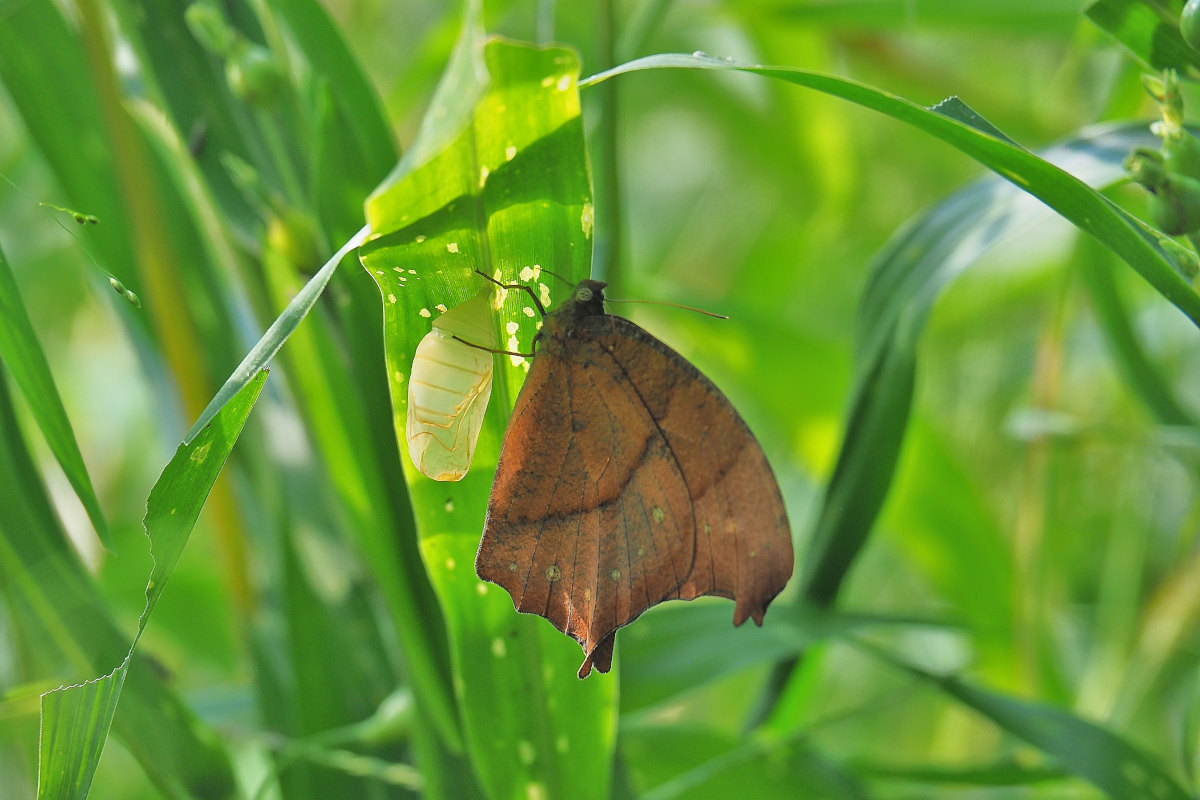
(743, 541)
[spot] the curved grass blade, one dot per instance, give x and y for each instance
(22, 354)
(955, 124)
(677, 648)
(1084, 748)
(76, 719)
(918, 264)
(497, 182)
(265, 349)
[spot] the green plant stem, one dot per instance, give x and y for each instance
(607, 265)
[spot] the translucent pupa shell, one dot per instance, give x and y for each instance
(449, 389)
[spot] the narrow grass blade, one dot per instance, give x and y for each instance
(1086, 208)
(265, 349)
(1086, 749)
(22, 354)
(76, 720)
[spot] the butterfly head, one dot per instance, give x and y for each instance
(589, 297)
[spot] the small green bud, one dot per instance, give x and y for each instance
(253, 74)
(1146, 166)
(1175, 205)
(1181, 154)
(207, 22)
(1189, 24)
(117, 286)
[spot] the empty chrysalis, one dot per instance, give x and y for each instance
(449, 389)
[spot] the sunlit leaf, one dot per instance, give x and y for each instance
(497, 182)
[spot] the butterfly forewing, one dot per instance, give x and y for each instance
(593, 525)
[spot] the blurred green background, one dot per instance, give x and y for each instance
(1038, 539)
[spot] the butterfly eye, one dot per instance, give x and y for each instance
(583, 294)
(449, 389)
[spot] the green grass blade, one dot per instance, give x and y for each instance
(53, 89)
(65, 616)
(75, 724)
(1040, 17)
(678, 648)
(1069, 196)
(1084, 748)
(501, 186)
(21, 352)
(357, 103)
(906, 280)
(265, 349)
(1149, 29)
(76, 720)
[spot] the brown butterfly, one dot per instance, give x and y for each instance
(626, 479)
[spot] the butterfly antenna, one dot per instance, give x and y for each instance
(672, 305)
(533, 295)
(556, 275)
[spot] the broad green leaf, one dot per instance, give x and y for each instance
(497, 182)
(1084, 748)
(76, 719)
(1149, 29)
(22, 354)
